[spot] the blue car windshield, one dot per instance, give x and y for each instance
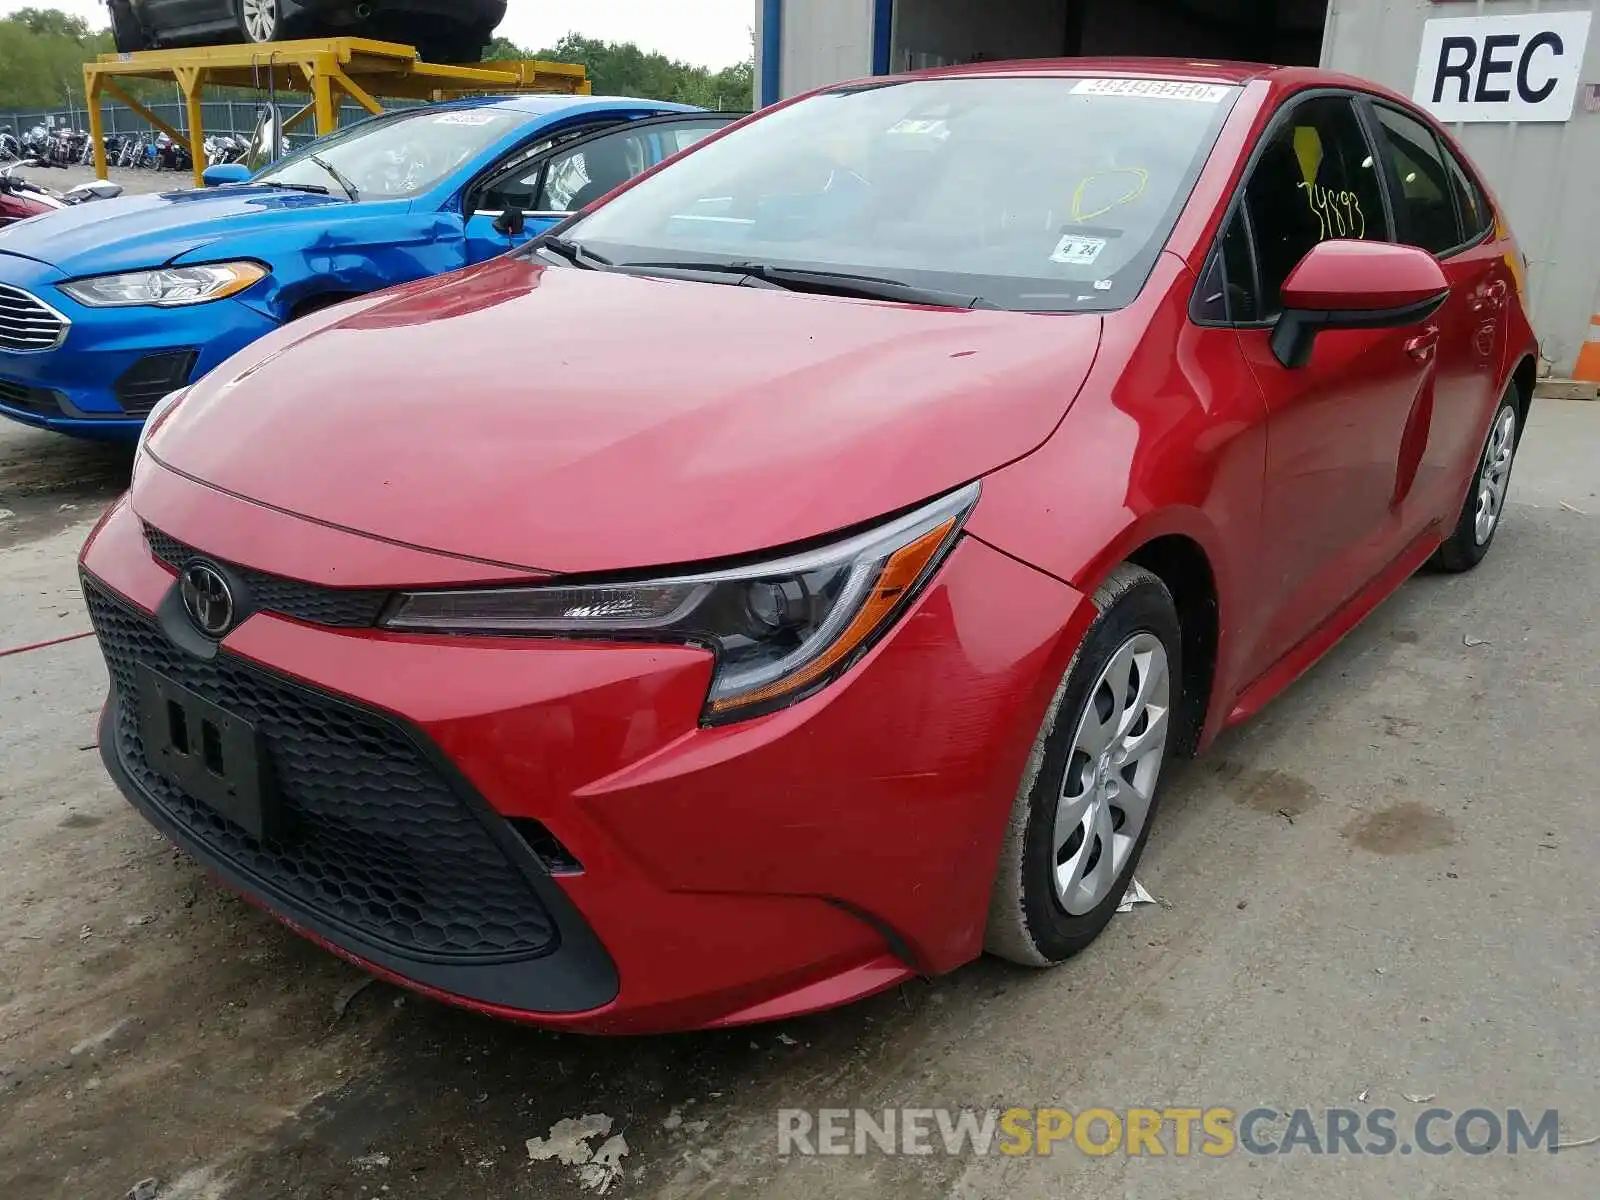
(1033, 193)
(395, 157)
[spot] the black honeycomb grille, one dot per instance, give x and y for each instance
(376, 842)
(340, 608)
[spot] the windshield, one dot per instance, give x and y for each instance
(1030, 193)
(392, 158)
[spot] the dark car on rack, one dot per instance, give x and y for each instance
(441, 30)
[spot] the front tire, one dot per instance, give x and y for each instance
(1089, 794)
(1484, 509)
(260, 20)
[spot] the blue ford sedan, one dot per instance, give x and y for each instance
(107, 307)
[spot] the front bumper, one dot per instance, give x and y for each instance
(745, 872)
(101, 379)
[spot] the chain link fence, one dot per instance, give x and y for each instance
(217, 116)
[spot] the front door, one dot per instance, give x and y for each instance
(1336, 426)
(1439, 209)
(550, 186)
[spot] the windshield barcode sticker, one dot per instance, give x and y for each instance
(1154, 89)
(1078, 251)
(473, 120)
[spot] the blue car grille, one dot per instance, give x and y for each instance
(27, 323)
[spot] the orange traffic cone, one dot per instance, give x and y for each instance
(1588, 365)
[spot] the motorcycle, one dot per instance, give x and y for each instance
(36, 145)
(223, 148)
(21, 198)
(10, 146)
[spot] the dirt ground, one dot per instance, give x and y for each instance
(1384, 887)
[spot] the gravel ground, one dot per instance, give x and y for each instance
(1383, 888)
(133, 182)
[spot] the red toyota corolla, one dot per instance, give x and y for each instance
(792, 576)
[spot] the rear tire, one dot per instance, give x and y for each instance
(260, 21)
(1483, 512)
(1091, 788)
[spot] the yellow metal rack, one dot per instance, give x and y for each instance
(366, 71)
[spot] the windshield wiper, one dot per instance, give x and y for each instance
(574, 252)
(832, 283)
(315, 188)
(338, 176)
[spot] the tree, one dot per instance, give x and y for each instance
(623, 69)
(42, 52)
(52, 22)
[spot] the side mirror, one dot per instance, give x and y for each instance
(225, 173)
(511, 223)
(1344, 284)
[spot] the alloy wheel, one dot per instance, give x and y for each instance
(1495, 474)
(260, 19)
(1111, 776)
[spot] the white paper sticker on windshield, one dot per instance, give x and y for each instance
(474, 119)
(934, 127)
(1154, 89)
(1077, 251)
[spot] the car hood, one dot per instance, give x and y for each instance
(568, 421)
(130, 232)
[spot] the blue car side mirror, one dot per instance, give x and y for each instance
(225, 173)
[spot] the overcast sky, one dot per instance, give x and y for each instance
(712, 33)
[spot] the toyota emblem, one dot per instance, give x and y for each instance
(207, 599)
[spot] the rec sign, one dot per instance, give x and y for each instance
(1524, 68)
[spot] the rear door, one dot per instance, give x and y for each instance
(1335, 425)
(1439, 208)
(556, 181)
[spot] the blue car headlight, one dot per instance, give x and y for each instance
(165, 287)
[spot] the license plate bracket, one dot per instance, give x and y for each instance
(215, 757)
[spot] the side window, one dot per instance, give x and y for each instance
(1315, 180)
(517, 186)
(582, 175)
(1228, 291)
(1425, 209)
(1470, 202)
(1239, 270)
(676, 140)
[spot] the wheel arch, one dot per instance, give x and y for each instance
(315, 301)
(1524, 378)
(1181, 563)
(1179, 547)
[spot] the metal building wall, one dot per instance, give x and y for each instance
(819, 42)
(1546, 175)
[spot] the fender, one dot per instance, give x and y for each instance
(358, 254)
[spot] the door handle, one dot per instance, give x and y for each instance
(1425, 345)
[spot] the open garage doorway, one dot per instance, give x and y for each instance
(931, 33)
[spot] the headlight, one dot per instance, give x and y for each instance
(165, 287)
(780, 629)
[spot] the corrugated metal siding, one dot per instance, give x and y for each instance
(1546, 176)
(825, 41)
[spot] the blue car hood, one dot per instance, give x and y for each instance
(130, 232)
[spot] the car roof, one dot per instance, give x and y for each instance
(1281, 79)
(1200, 70)
(546, 104)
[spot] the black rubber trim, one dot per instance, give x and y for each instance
(575, 976)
